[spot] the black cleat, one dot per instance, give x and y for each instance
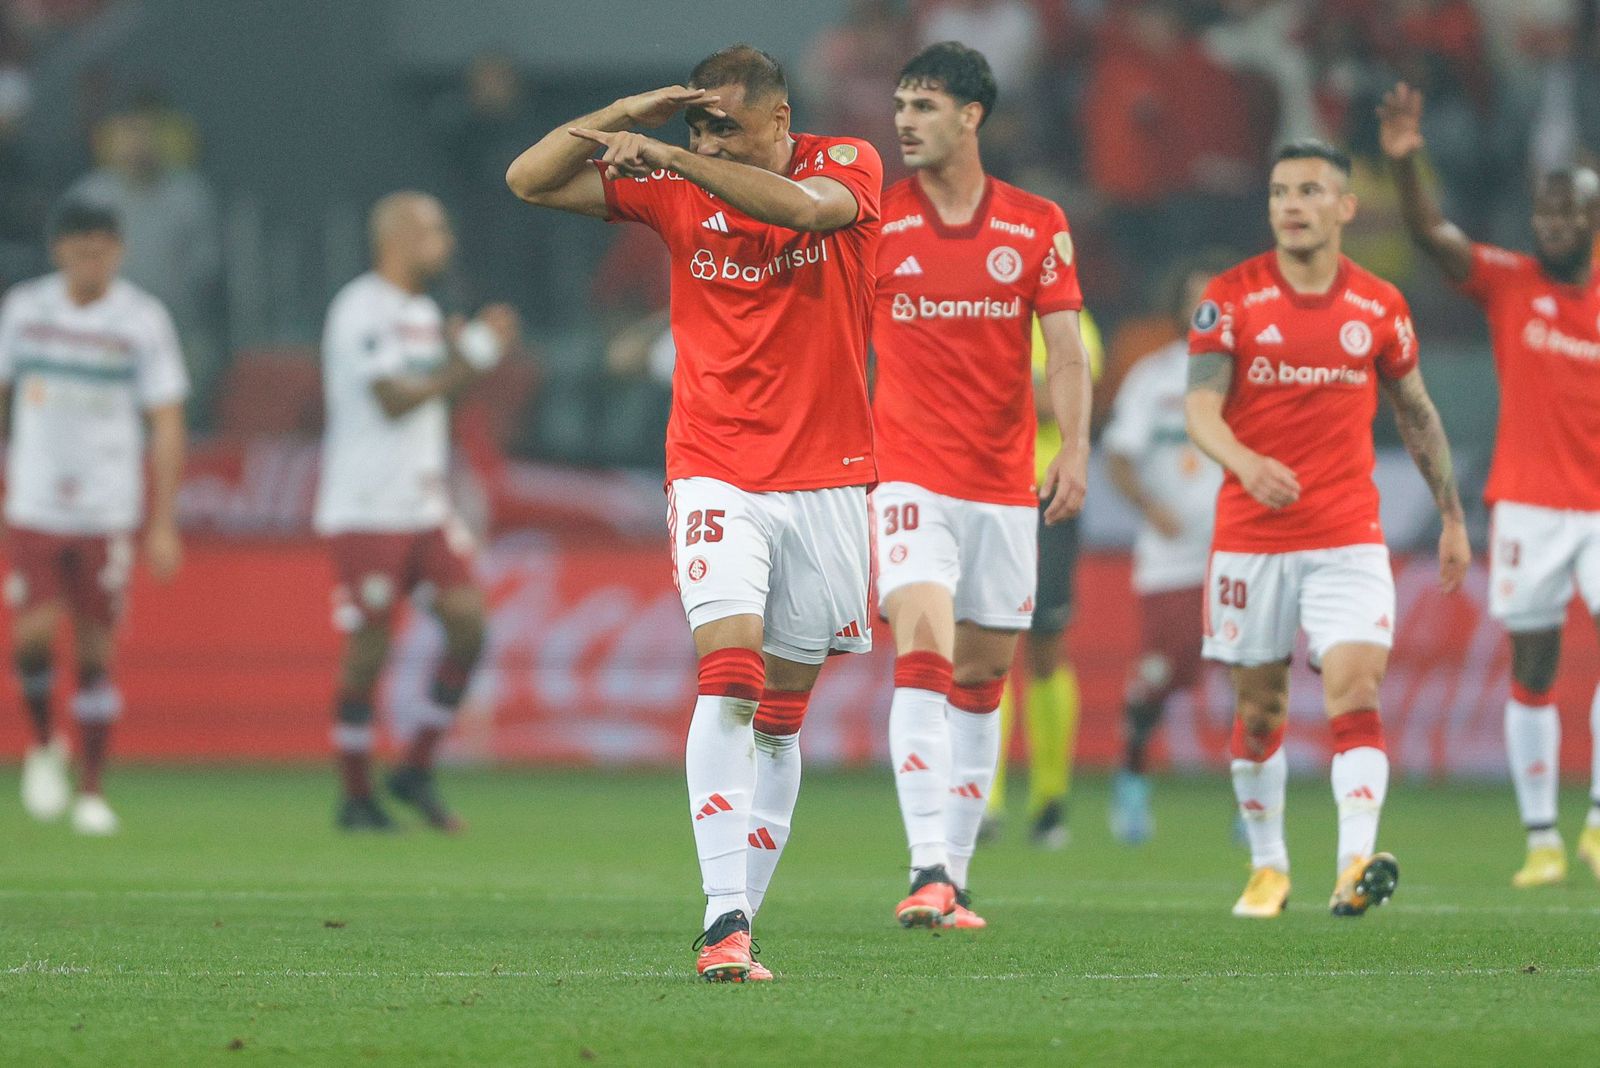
(363, 814)
(725, 950)
(1050, 827)
(414, 786)
(1364, 884)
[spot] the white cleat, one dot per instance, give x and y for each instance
(45, 789)
(91, 815)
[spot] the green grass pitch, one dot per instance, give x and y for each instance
(228, 924)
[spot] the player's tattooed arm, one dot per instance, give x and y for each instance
(1400, 133)
(1272, 484)
(556, 173)
(1424, 437)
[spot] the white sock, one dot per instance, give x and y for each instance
(1360, 783)
(1533, 750)
(720, 766)
(771, 812)
(974, 755)
(1261, 788)
(1593, 819)
(919, 747)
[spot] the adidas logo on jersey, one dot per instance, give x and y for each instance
(908, 266)
(1270, 336)
(717, 222)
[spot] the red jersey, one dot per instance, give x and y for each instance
(1305, 390)
(1546, 338)
(770, 388)
(953, 330)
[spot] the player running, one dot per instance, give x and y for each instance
(1544, 482)
(86, 357)
(391, 364)
(1289, 352)
(769, 446)
(966, 261)
(1173, 486)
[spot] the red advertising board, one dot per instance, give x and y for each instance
(589, 662)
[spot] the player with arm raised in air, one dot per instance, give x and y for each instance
(965, 264)
(1544, 481)
(391, 364)
(1289, 352)
(86, 358)
(771, 234)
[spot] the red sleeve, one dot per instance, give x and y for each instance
(855, 165)
(1058, 274)
(641, 200)
(1398, 357)
(1490, 266)
(1211, 329)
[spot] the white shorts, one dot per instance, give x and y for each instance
(986, 555)
(801, 560)
(1536, 558)
(1255, 602)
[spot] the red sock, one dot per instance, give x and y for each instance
(355, 772)
(419, 754)
(1257, 747)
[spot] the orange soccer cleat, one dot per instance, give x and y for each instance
(932, 896)
(962, 916)
(725, 949)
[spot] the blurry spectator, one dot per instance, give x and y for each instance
(849, 74)
(1265, 37)
(480, 126)
(1009, 33)
(23, 202)
(170, 225)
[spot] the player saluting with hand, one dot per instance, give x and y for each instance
(1289, 352)
(1544, 482)
(769, 445)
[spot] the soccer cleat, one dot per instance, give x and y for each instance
(1265, 895)
(758, 973)
(962, 916)
(92, 816)
(1131, 821)
(932, 895)
(46, 793)
(1545, 866)
(363, 814)
(1365, 883)
(725, 949)
(1589, 849)
(414, 787)
(1050, 827)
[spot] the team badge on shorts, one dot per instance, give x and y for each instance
(1005, 264)
(698, 568)
(897, 555)
(1230, 631)
(1206, 315)
(1356, 338)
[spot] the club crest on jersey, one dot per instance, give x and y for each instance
(1004, 264)
(843, 155)
(1206, 315)
(1355, 337)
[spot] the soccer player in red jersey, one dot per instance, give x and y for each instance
(769, 446)
(965, 264)
(1544, 481)
(1289, 352)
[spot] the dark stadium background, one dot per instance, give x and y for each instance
(278, 124)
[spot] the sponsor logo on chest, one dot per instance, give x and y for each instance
(905, 308)
(707, 266)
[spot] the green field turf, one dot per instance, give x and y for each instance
(230, 925)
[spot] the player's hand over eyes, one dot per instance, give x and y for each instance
(1455, 555)
(1066, 481)
(627, 154)
(1270, 483)
(1400, 121)
(654, 108)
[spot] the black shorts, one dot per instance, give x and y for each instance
(1058, 560)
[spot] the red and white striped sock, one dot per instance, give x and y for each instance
(1360, 777)
(1260, 785)
(974, 755)
(919, 750)
(720, 768)
(777, 787)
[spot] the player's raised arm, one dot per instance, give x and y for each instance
(1423, 434)
(1068, 381)
(1400, 134)
(555, 172)
(1265, 479)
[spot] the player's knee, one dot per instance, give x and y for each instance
(1357, 693)
(1262, 711)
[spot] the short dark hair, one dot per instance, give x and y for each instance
(757, 72)
(81, 217)
(1311, 148)
(953, 68)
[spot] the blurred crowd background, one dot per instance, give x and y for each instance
(243, 141)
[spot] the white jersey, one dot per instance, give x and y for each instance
(81, 379)
(381, 474)
(1147, 427)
